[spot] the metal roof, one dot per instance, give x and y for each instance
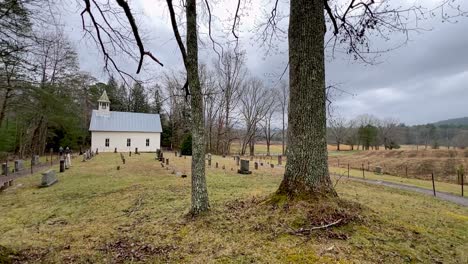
(125, 122)
(104, 97)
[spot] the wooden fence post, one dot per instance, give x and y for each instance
(462, 181)
(348, 170)
(433, 184)
(363, 176)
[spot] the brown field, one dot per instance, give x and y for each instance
(419, 163)
(276, 148)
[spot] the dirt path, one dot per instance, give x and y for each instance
(440, 195)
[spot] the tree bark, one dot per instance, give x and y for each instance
(200, 201)
(306, 174)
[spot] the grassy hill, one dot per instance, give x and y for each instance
(98, 214)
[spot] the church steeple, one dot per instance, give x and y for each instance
(104, 103)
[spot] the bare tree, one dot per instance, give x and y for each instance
(283, 91)
(254, 104)
(388, 132)
(231, 73)
(338, 130)
(272, 107)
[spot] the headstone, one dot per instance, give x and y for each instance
(136, 150)
(224, 167)
(48, 178)
(97, 151)
(280, 160)
(68, 159)
(118, 167)
(62, 165)
(378, 170)
(237, 160)
(261, 164)
(272, 165)
(209, 159)
(85, 156)
(216, 165)
(167, 161)
(35, 160)
(256, 165)
(158, 154)
(129, 153)
(161, 158)
(244, 167)
(4, 169)
(175, 153)
(19, 165)
(115, 150)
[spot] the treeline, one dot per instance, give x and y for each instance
(369, 132)
(45, 101)
(237, 106)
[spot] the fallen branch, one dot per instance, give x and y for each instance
(306, 231)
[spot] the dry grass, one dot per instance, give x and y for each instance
(419, 163)
(98, 214)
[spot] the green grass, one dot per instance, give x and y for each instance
(96, 213)
(440, 186)
(342, 153)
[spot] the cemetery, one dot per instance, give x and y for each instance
(104, 208)
(299, 131)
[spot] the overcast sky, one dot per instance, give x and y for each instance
(424, 81)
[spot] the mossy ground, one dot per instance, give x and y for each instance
(99, 214)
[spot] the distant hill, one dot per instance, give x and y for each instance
(462, 121)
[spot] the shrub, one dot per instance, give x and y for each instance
(186, 146)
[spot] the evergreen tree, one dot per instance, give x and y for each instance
(138, 99)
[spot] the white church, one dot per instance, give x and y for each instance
(123, 130)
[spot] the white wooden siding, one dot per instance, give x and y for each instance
(119, 140)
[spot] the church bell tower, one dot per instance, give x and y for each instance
(104, 104)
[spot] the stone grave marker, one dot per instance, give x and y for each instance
(48, 178)
(244, 167)
(280, 160)
(19, 165)
(4, 169)
(62, 165)
(256, 165)
(35, 160)
(378, 170)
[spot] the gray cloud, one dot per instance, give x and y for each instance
(423, 81)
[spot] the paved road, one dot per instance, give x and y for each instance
(440, 195)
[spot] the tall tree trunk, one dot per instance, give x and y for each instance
(4, 105)
(306, 172)
(199, 191)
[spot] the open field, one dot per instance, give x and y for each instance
(96, 213)
(416, 163)
(276, 148)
